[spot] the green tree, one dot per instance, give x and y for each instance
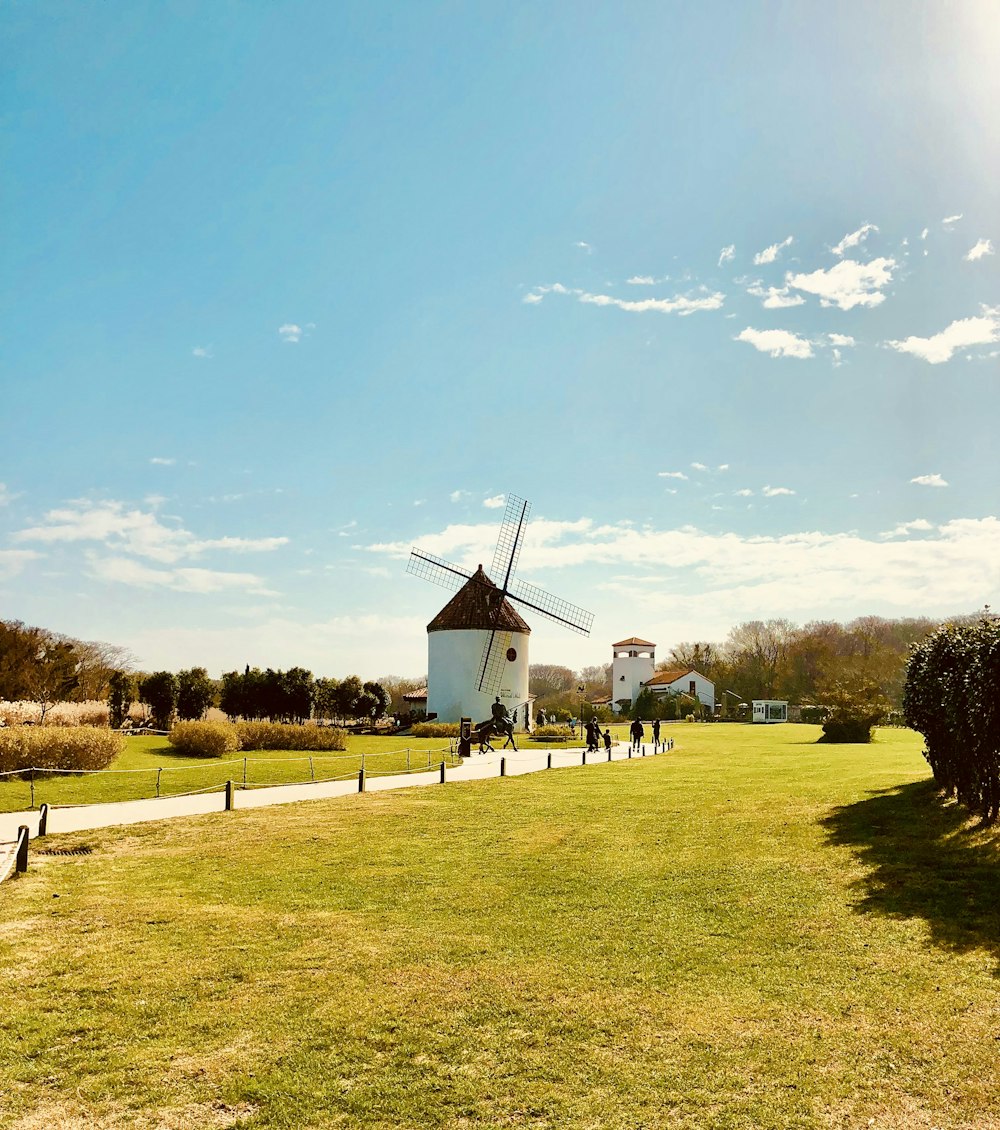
(349, 697)
(121, 695)
(195, 693)
(378, 700)
(159, 692)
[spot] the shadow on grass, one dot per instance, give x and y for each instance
(927, 861)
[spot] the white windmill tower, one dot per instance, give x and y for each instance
(477, 645)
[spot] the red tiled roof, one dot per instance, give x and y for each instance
(662, 677)
(477, 606)
(416, 696)
(633, 641)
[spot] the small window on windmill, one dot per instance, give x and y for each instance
(511, 654)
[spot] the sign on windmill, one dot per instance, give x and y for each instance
(477, 645)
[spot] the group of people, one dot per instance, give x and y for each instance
(594, 737)
(637, 733)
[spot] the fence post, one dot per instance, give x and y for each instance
(361, 779)
(312, 771)
(442, 772)
(548, 763)
(630, 753)
(363, 761)
(244, 772)
(584, 760)
(229, 796)
(21, 861)
(407, 759)
(43, 818)
(32, 786)
(158, 772)
(503, 766)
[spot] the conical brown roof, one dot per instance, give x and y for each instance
(474, 607)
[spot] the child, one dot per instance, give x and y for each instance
(607, 740)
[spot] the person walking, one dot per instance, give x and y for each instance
(607, 740)
(656, 734)
(637, 733)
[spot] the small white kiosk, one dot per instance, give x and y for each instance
(770, 710)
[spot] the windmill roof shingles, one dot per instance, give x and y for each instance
(478, 606)
(633, 641)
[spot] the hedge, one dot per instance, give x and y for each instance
(288, 735)
(552, 734)
(951, 697)
(204, 739)
(65, 748)
(435, 730)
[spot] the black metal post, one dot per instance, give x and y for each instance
(361, 779)
(21, 860)
(503, 766)
(229, 796)
(442, 772)
(43, 818)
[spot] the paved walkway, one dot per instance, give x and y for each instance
(85, 817)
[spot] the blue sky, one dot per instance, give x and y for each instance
(289, 288)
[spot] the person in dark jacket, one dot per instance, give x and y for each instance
(637, 732)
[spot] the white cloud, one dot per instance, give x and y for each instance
(983, 247)
(6, 496)
(292, 333)
(679, 304)
(700, 299)
(642, 280)
(12, 561)
(583, 246)
(162, 461)
(727, 254)
(840, 339)
(775, 492)
(769, 254)
(125, 571)
(201, 351)
(853, 239)
(495, 501)
(961, 334)
(137, 532)
(699, 466)
(777, 343)
(458, 495)
(775, 298)
(722, 467)
(848, 283)
(934, 480)
(904, 528)
(671, 475)
(419, 501)
(744, 493)
(948, 221)
(924, 233)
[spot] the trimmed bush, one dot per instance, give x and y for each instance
(204, 739)
(814, 715)
(289, 735)
(552, 734)
(436, 730)
(65, 748)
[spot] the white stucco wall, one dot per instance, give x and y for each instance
(704, 689)
(628, 673)
(453, 660)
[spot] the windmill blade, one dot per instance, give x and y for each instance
(436, 569)
(493, 662)
(508, 549)
(552, 607)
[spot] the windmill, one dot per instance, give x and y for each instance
(496, 618)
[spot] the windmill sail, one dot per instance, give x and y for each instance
(436, 570)
(552, 607)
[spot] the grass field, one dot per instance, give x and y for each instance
(751, 931)
(151, 766)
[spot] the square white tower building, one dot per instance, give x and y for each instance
(633, 663)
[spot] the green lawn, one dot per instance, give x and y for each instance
(750, 931)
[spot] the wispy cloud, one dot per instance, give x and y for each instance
(848, 283)
(12, 561)
(777, 343)
(671, 475)
(494, 502)
(775, 492)
(699, 466)
(6, 496)
(201, 351)
(744, 493)
(292, 334)
(727, 254)
(904, 528)
(769, 254)
(966, 332)
(699, 299)
(162, 461)
(584, 246)
(934, 480)
(925, 233)
(643, 280)
(982, 248)
(840, 339)
(853, 239)
(774, 297)
(950, 221)
(458, 495)
(126, 571)
(131, 530)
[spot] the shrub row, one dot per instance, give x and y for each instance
(57, 747)
(214, 739)
(950, 696)
(552, 734)
(435, 730)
